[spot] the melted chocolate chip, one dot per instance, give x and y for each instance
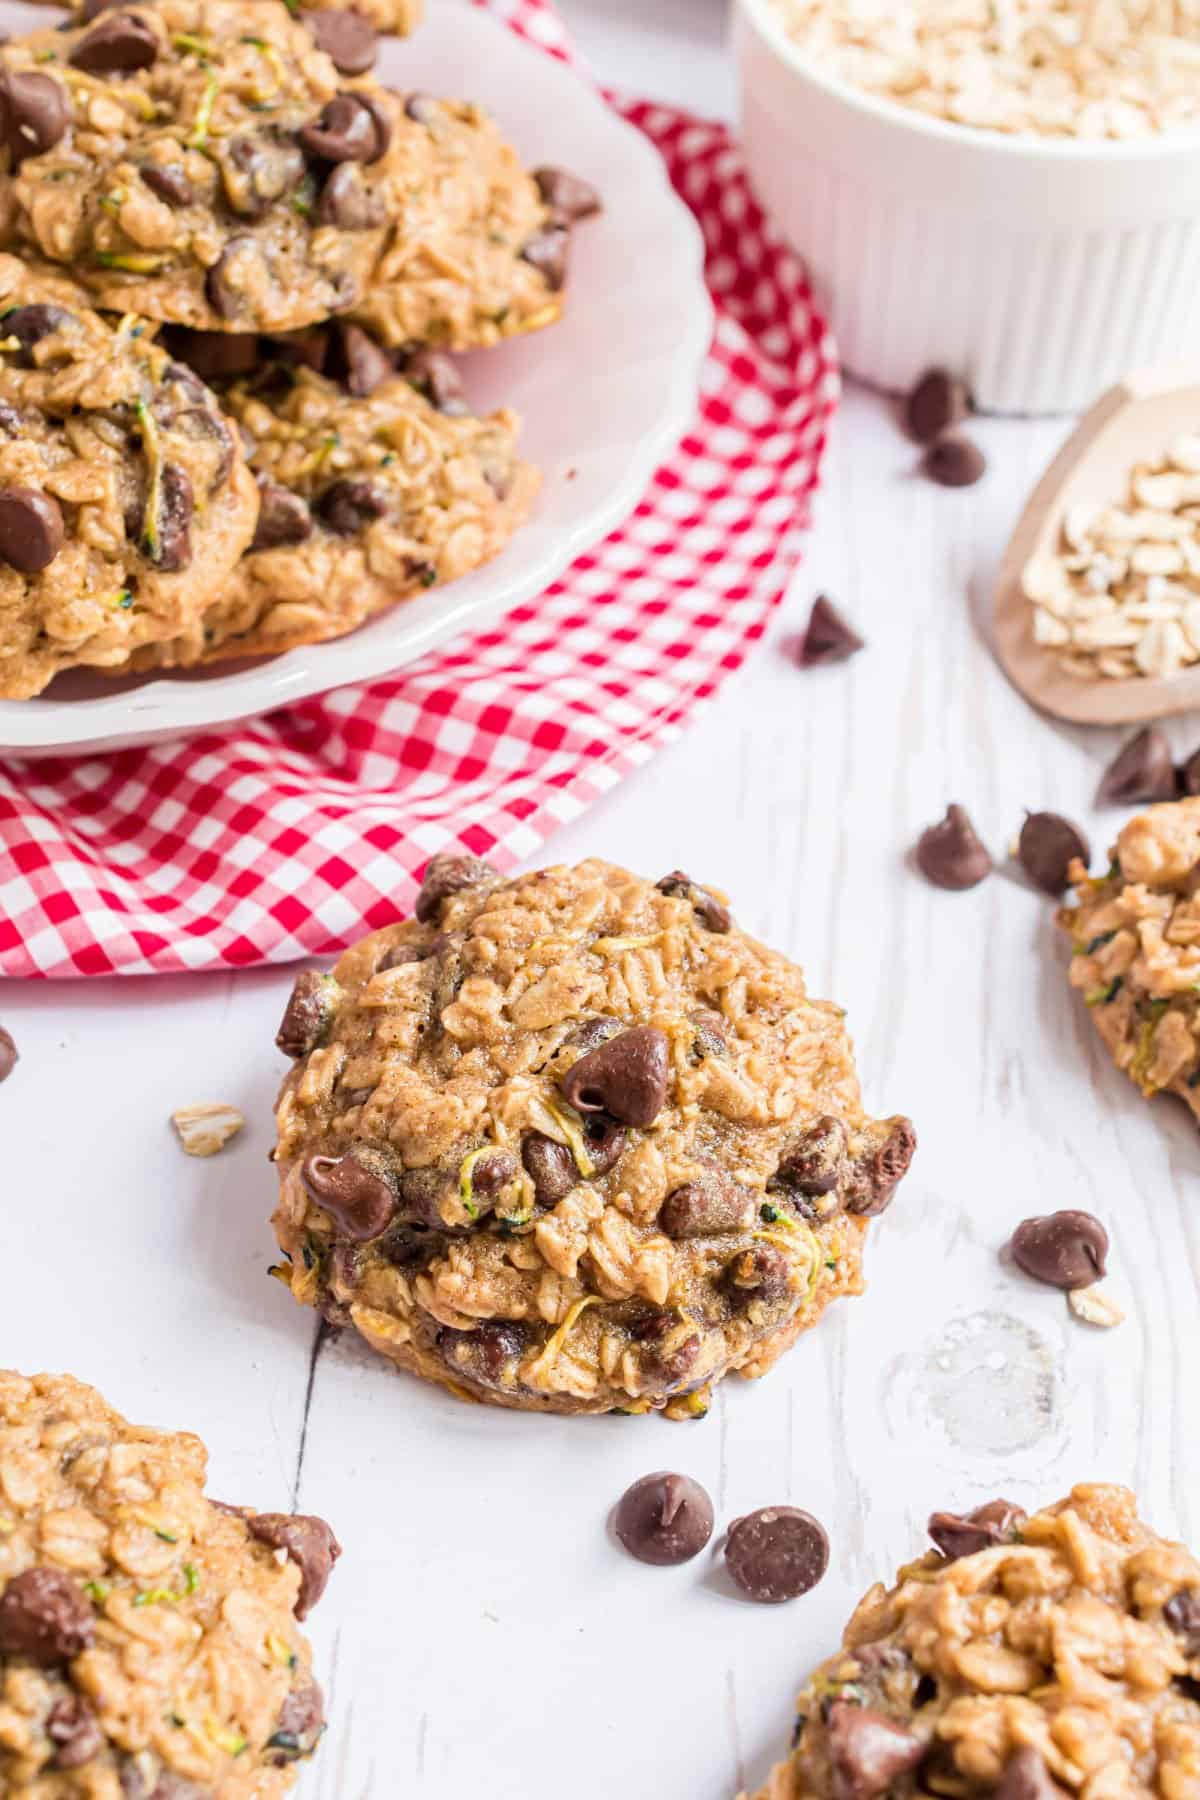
(216, 355)
(711, 1204)
(283, 517)
(776, 1553)
(348, 507)
(31, 529)
(360, 1203)
(224, 281)
(309, 1543)
(1026, 1777)
(176, 509)
(349, 128)
(1047, 847)
(950, 854)
(568, 196)
(486, 1354)
(445, 876)
(938, 402)
(711, 912)
(44, 1617)
(962, 1534)
(1182, 1613)
(29, 325)
(1141, 770)
(301, 1722)
(762, 1274)
(119, 44)
(34, 113)
(1064, 1249)
(813, 1165)
(664, 1519)
(547, 252)
(347, 202)
(627, 1077)
(874, 1173)
(437, 376)
(259, 170)
(367, 364)
(167, 182)
(348, 39)
(306, 1018)
(867, 1751)
(830, 638)
(72, 1728)
(550, 1166)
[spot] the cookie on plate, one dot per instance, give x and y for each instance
(1135, 937)
(203, 162)
(366, 499)
(1029, 1658)
(125, 501)
(573, 1142)
(148, 1640)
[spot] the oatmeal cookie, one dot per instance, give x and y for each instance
(1033, 1658)
(203, 162)
(125, 501)
(573, 1142)
(365, 500)
(1135, 935)
(148, 1639)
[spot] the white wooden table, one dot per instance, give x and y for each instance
(482, 1634)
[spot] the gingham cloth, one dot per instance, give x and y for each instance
(290, 836)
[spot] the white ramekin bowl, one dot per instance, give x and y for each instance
(1042, 270)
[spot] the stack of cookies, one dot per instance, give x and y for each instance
(233, 266)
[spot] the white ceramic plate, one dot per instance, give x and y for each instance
(605, 395)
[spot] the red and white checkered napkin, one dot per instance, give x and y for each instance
(289, 836)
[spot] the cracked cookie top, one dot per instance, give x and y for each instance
(1030, 1658)
(204, 162)
(148, 1639)
(574, 1141)
(125, 501)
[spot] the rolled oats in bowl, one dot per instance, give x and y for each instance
(1059, 68)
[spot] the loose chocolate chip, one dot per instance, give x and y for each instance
(347, 38)
(486, 1353)
(223, 282)
(349, 506)
(31, 529)
(568, 196)
(306, 1018)
(710, 911)
(550, 1166)
(950, 854)
(664, 1519)
(813, 1165)
(422, 109)
(1026, 1777)
(867, 1750)
(29, 325)
(1142, 770)
(34, 113)
(347, 129)
(1047, 847)
(776, 1553)
(1182, 1612)
(168, 183)
(938, 402)
(176, 509)
(955, 462)
(626, 1077)
(547, 252)
(1064, 1249)
(962, 1534)
(879, 1166)
(445, 876)
(1187, 776)
(9, 1057)
(347, 202)
(762, 1274)
(309, 1543)
(44, 1616)
(367, 365)
(259, 170)
(830, 638)
(713, 1203)
(360, 1203)
(283, 518)
(118, 45)
(72, 1728)
(301, 1722)
(437, 376)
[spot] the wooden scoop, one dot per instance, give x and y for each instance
(1134, 422)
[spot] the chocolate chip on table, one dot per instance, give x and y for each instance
(761, 1274)
(34, 112)
(710, 911)
(962, 1534)
(950, 854)
(567, 195)
(438, 377)
(306, 1017)
(937, 403)
(309, 1543)
(550, 1166)
(954, 461)
(867, 1750)
(707, 1206)
(45, 1617)
(347, 202)
(283, 518)
(445, 876)
(664, 1519)
(829, 638)
(348, 39)
(9, 1057)
(547, 252)
(31, 529)
(119, 44)
(777, 1553)
(1064, 1249)
(72, 1728)
(627, 1077)
(349, 506)
(1141, 770)
(167, 182)
(176, 508)
(1026, 1777)
(360, 1203)
(29, 325)
(347, 129)
(367, 364)
(1047, 847)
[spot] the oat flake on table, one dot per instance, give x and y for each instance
(1058, 68)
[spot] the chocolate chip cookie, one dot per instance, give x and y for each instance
(148, 1640)
(1029, 1658)
(366, 498)
(1135, 938)
(204, 162)
(574, 1142)
(125, 501)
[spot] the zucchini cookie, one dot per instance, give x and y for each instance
(366, 498)
(203, 162)
(573, 1142)
(148, 1639)
(125, 501)
(1135, 936)
(1030, 1658)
